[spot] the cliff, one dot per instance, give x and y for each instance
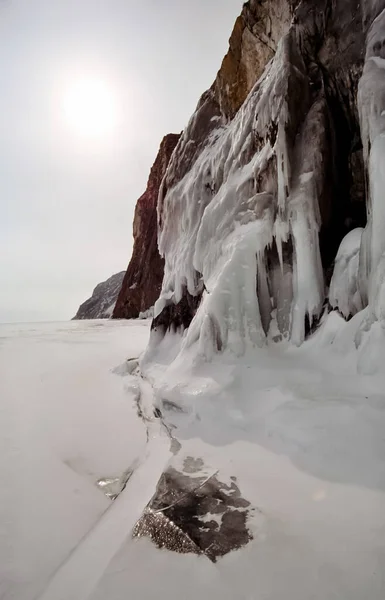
(143, 280)
(283, 157)
(102, 301)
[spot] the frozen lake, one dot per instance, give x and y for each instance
(66, 421)
(291, 442)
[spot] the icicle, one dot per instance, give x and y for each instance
(281, 236)
(371, 102)
(283, 168)
(308, 281)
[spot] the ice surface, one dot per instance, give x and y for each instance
(66, 421)
(302, 430)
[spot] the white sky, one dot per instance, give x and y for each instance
(67, 201)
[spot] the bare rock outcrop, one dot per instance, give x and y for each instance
(143, 280)
(103, 299)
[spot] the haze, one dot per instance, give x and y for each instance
(89, 88)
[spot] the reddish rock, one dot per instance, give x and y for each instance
(143, 280)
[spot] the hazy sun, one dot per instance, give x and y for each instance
(90, 107)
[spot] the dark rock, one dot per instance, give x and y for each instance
(177, 316)
(178, 516)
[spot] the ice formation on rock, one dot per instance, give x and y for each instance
(256, 200)
(371, 102)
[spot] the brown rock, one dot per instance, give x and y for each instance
(252, 44)
(143, 279)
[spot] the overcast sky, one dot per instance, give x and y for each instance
(68, 194)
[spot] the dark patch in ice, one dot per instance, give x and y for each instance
(172, 406)
(178, 516)
(178, 316)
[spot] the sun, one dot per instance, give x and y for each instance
(90, 107)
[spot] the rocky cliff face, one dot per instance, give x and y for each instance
(283, 157)
(143, 280)
(103, 299)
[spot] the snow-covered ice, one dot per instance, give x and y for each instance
(301, 429)
(66, 421)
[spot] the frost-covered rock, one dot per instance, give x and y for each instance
(143, 280)
(269, 176)
(103, 299)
